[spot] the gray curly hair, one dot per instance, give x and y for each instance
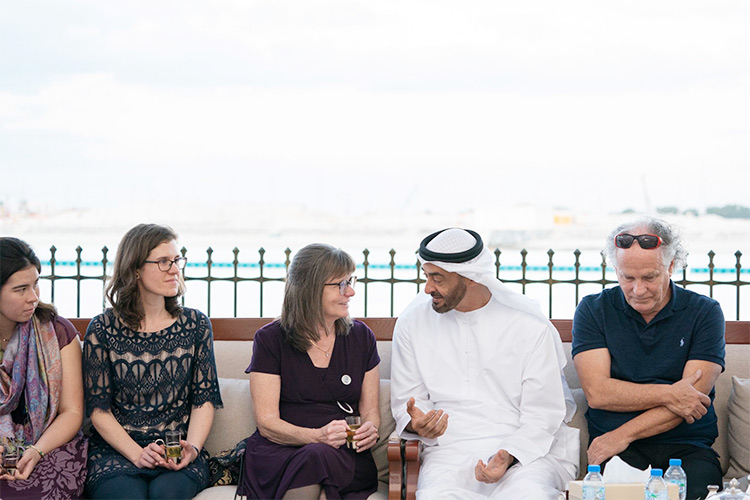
(672, 248)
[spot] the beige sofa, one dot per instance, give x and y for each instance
(233, 348)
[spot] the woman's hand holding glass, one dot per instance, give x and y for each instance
(333, 433)
(17, 462)
(188, 455)
(151, 456)
(366, 436)
(24, 466)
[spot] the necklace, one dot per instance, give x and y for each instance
(324, 351)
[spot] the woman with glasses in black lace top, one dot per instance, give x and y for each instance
(148, 368)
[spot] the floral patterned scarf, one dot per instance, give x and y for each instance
(36, 372)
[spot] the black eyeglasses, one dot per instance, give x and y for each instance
(343, 285)
(165, 264)
(646, 241)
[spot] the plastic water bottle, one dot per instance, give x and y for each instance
(676, 474)
(656, 488)
(593, 484)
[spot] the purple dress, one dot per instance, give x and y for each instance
(308, 399)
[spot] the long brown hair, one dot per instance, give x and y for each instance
(302, 308)
(122, 290)
(16, 255)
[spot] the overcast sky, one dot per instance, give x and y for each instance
(368, 104)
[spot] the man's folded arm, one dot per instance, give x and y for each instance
(606, 393)
(654, 421)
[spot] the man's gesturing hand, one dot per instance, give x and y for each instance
(428, 425)
(495, 469)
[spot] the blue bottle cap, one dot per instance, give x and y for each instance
(594, 468)
(656, 472)
(675, 461)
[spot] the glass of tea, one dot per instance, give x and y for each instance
(353, 422)
(172, 445)
(12, 451)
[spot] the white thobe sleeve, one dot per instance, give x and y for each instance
(406, 381)
(543, 405)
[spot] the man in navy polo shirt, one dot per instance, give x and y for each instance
(648, 354)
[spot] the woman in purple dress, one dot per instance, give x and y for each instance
(41, 389)
(310, 370)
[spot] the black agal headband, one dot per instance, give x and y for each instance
(465, 256)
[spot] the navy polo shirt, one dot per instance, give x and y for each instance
(690, 326)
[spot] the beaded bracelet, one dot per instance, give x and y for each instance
(41, 454)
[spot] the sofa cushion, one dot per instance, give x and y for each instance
(738, 435)
(384, 351)
(232, 358)
(235, 421)
(218, 493)
(387, 426)
(579, 422)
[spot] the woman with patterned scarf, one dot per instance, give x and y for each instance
(41, 388)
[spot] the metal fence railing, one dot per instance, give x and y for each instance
(386, 283)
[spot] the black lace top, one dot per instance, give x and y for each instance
(150, 381)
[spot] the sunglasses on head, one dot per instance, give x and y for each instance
(646, 241)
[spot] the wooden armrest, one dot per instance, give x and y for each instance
(412, 460)
(395, 467)
(403, 467)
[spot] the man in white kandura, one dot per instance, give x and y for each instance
(477, 376)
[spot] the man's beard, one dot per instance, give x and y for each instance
(451, 299)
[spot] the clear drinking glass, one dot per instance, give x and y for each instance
(12, 451)
(172, 445)
(353, 422)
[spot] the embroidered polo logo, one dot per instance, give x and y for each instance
(682, 341)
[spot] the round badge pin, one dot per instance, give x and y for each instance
(346, 380)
